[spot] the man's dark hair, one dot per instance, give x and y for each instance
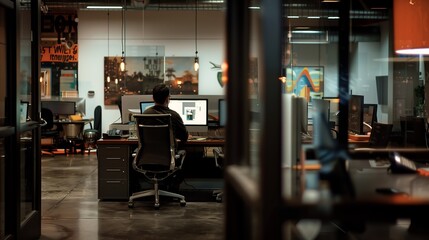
(160, 93)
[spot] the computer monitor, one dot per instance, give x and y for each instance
(356, 114)
(194, 112)
(369, 116)
(60, 108)
(334, 110)
(222, 112)
(303, 112)
(145, 105)
(23, 112)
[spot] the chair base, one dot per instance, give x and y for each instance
(155, 193)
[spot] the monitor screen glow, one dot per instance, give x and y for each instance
(194, 112)
(145, 105)
(222, 112)
(24, 112)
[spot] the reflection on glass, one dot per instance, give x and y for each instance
(24, 89)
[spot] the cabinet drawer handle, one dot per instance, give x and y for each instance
(113, 147)
(113, 170)
(112, 181)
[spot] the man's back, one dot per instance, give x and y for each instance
(179, 128)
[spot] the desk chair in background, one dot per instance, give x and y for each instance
(380, 135)
(219, 158)
(49, 133)
(91, 135)
(156, 158)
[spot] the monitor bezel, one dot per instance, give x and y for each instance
(194, 99)
(56, 112)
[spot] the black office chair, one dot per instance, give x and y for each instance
(156, 158)
(380, 135)
(49, 134)
(94, 133)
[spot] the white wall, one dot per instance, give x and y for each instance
(175, 30)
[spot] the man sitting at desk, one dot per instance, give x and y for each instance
(161, 97)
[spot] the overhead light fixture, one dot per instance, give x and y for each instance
(411, 34)
(334, 17)
(313, 17)
(108, 47)
(196, 62)
(293, 17)
(103, 7)
(122, 64)
(303, 35)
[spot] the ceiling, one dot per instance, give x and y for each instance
(363, 13)
(361, 5)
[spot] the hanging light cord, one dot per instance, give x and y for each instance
(196, 15)
(123, 29)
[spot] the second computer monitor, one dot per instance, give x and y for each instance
(145, 105)
(194, 112)
(222, 112)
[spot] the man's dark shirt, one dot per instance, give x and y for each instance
(179, 129)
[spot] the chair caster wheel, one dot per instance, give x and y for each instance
(130, 204)
(219, 199)
(182, 203)
(156, 206)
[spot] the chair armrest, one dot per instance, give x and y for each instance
(218, 155)
(180, 156)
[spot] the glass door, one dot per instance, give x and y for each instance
(20, 195)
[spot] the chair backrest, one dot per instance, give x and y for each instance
(380, 134)
(97, 119)
(156, 142)
(413, 131)
(48, 116)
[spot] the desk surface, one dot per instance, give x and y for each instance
(198, 142)
(83, 121)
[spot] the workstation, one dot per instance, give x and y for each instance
(278, 158)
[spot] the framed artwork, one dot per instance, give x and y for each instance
(140, 76)
(180, 75)
(305, 81)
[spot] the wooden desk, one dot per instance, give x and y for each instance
(115, 166)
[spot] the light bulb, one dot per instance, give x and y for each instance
(196, 64)
(122, 65)
(108, 78)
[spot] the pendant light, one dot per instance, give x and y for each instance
(108, 46)
(122, 64)
(411, 34)
(196, 62)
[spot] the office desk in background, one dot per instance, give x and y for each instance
(115, 165)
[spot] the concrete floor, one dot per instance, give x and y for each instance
(71, 210)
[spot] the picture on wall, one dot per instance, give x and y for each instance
(140, 76)
(180, 75)
(305, 81)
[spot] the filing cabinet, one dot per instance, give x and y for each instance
(113, 171)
